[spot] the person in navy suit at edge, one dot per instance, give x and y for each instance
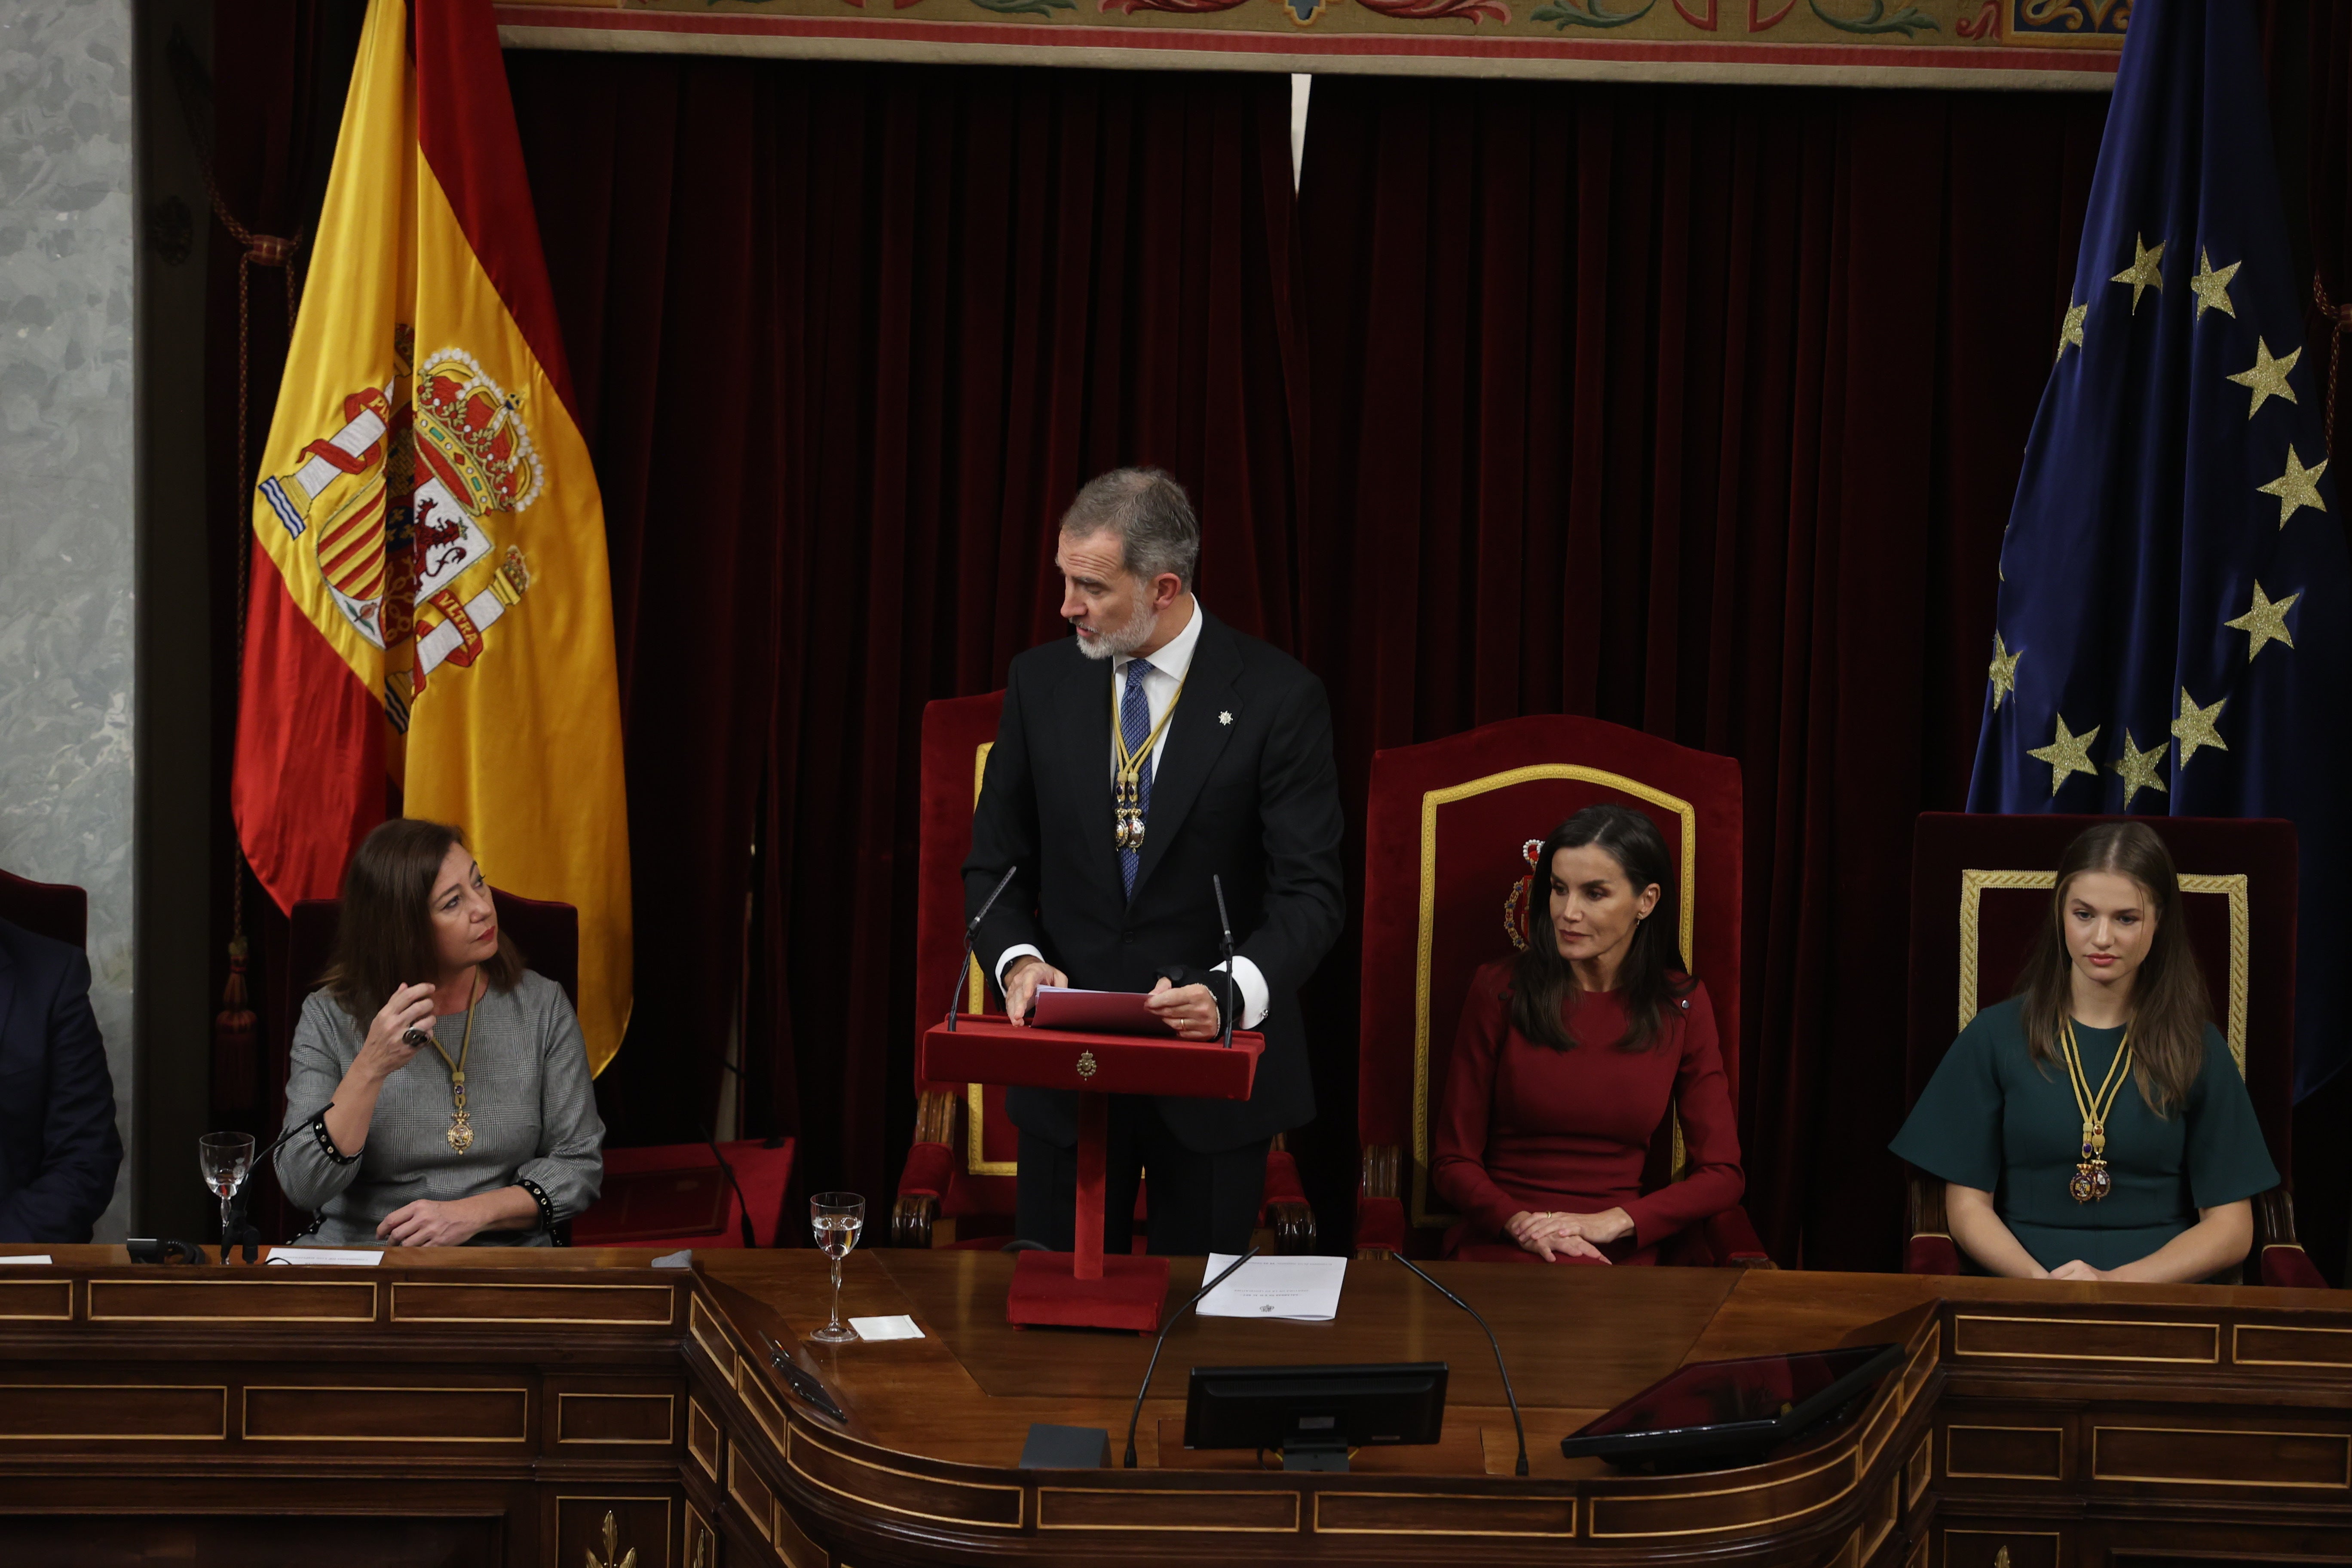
(58, 1147)
(1149, 750)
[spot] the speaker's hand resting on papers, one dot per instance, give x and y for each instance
(1021, 983)
(1190, 1010)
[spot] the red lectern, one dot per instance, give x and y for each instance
(1084, 1289)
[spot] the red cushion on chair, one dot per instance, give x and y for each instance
(2290, 1266)
(1282, 1183)
(676, 1195)
(1380, 1225)
(931, 1169)
(1931, 1255)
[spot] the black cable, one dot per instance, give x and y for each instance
(1163, 1340)
(743, 1204)
(1492, 1342)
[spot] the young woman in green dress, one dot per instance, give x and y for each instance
(2095, 1126)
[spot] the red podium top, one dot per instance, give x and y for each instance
(983, 1049)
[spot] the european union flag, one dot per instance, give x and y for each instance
(2175, 632)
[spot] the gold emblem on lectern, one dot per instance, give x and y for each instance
(1085, 1063)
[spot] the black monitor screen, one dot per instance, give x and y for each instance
(1727, 1392)
(1275, 1406)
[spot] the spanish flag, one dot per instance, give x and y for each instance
(430, 624)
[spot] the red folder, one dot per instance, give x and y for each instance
(1084, 1289)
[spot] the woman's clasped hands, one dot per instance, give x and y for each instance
(1551, 1236)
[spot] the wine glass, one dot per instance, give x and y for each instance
(227, 1160)
(837, 1218)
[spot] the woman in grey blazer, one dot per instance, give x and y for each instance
(445, 1087)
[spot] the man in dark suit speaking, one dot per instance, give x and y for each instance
(58, 1147)
(1153, 748)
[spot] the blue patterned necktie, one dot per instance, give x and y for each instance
(1135, 727)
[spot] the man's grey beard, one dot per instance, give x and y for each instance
(1128, 638)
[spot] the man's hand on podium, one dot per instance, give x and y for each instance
(1021, 983)
(1190, 1010)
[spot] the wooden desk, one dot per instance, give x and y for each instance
(470, 1407)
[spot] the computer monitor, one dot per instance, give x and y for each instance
(1315, 1414)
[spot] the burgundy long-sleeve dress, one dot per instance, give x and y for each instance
(1523, 1126)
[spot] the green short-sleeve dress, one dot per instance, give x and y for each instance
(1994, 1119)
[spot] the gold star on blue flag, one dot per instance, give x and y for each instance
(2177, 474)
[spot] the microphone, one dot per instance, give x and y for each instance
(1226, 922)
(1163, 1340)
(246, 1235)
(1494, 1345)
(972, 935)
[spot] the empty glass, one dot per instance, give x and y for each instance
(837, 1218)
(227, 1160)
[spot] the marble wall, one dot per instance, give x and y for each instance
(66, 544)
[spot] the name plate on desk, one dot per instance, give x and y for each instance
(990, 1050)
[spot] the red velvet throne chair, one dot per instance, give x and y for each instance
(1448, 835)
(59, 910)
(956, 1188)
(1979, 891)
(669, 1195)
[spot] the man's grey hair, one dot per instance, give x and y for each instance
(1149, 512)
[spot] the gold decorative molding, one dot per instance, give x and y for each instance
(2232, 886)
(803, 1439)
(1961, 1320)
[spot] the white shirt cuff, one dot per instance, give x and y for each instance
(1256, 999)
(1004, 962)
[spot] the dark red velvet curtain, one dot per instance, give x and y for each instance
(1696, 409)
(849, 338)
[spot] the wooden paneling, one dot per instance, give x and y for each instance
(751, 1494)
(1918, 1470)
(1700, 1508)
(2023, 1453)
(2195, 1455)
(2114, 1339)
(792, 1543)
(34, 1300)
(362, 1413)
(1124, 1510)
(702, 1437)
(700, 1549)
(180, 1296)
(1433, 1513)
(620, 1419)
(703, 1329)
(522, 1305)
(113, 1412)
(2272, 1344)
(901, 1491)
(641, 1523)
(1976, 1547)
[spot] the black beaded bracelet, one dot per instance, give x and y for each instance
(546, 1209)
(327, 1141)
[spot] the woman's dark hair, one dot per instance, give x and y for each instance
(384, 938)
(2171, 1006)
(1650, 978)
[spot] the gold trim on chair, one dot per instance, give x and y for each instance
(1974, 883)
(974, 1108)
(1421, 1213)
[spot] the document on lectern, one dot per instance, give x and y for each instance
(1098, 1012)
(1290, 1289)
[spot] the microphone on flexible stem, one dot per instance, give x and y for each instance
(1163, 1340)
(1226, 922)
(1494, 1343)
(972, 935)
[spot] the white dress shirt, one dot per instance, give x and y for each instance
(1168, 668)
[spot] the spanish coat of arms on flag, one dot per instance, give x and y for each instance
(429, 627)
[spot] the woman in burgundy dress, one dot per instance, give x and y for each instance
(1568, 1059)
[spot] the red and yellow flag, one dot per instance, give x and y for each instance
(431, 619)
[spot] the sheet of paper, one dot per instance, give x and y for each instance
(898, 1328)
(1299, 1290)
(26, 1257)
(674, 1260)
(347, 1257)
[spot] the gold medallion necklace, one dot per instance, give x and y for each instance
(2091, 1181)
(1127, 804)
(461, 1130)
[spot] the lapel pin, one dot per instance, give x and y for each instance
(1225, 718)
